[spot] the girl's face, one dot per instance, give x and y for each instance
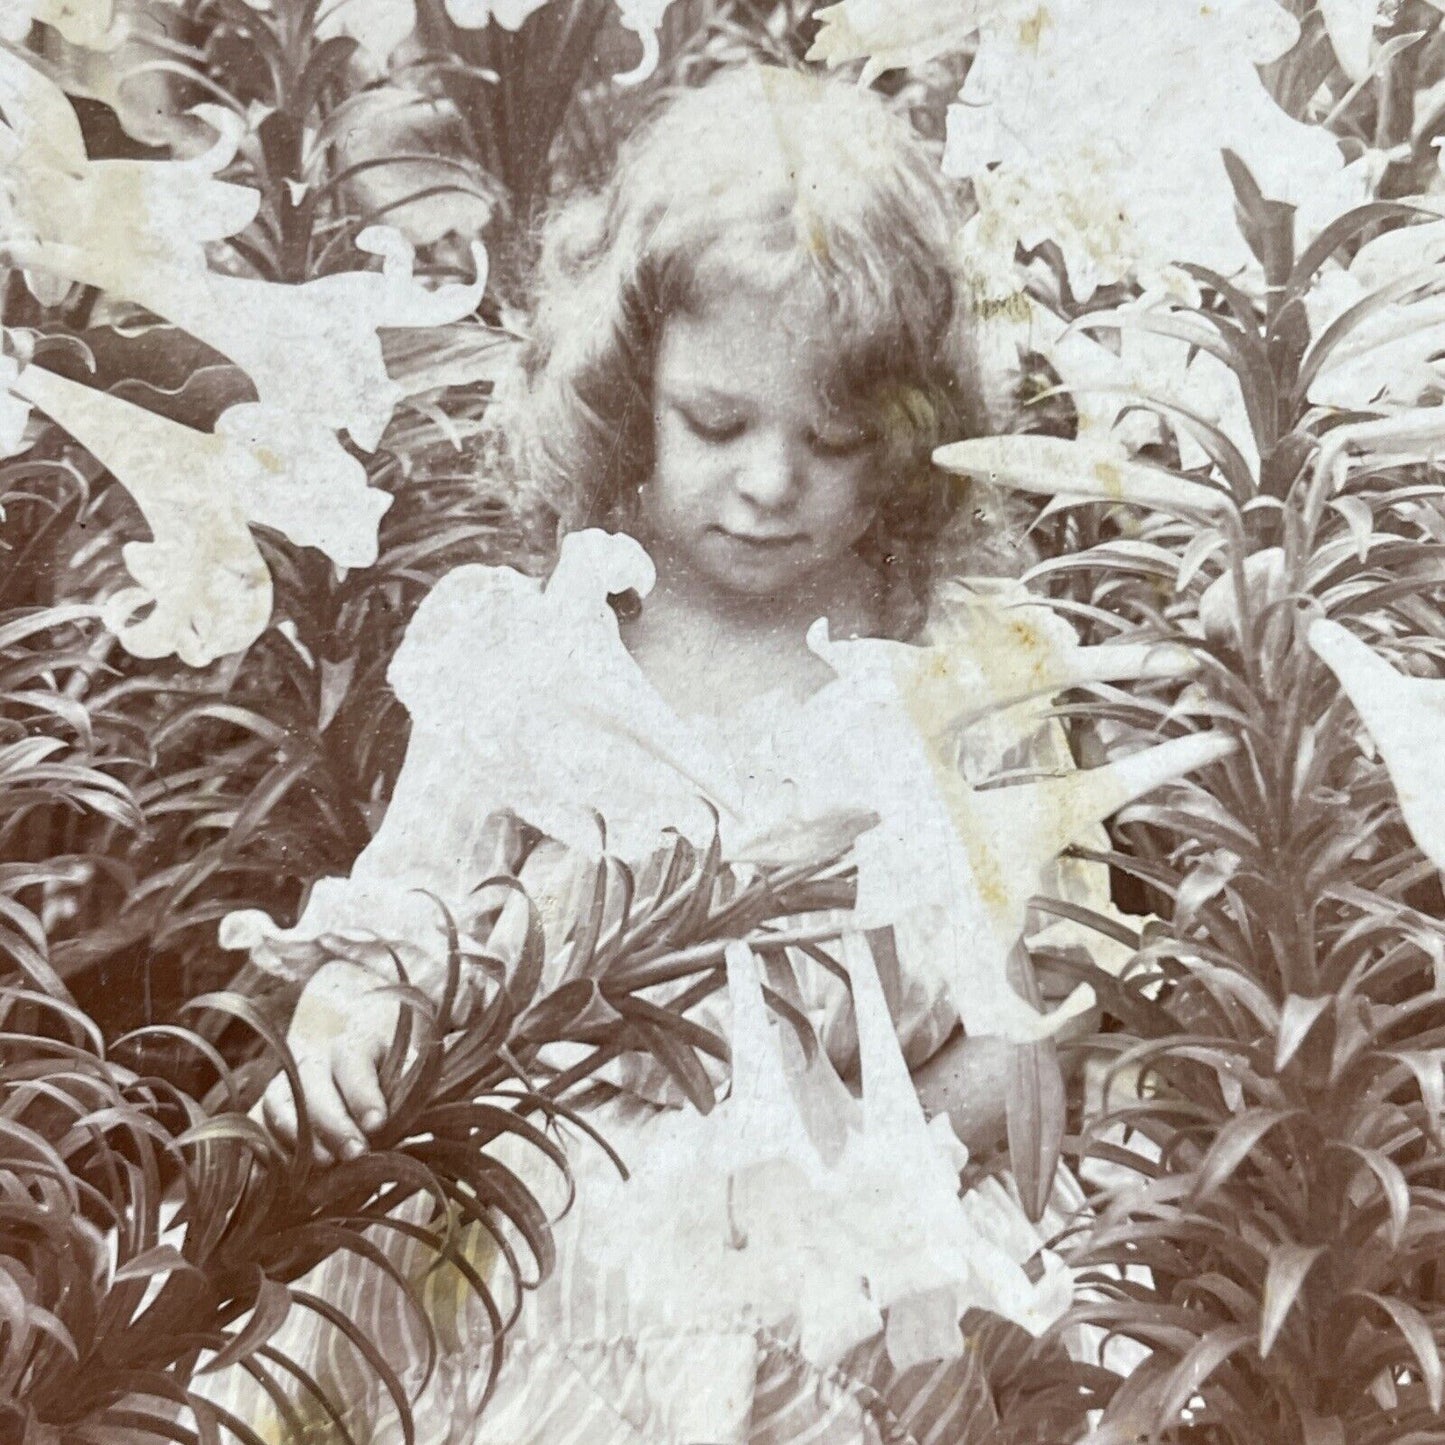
(759, 487)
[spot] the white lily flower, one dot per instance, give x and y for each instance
(1085, 470)
(1105, 384)
(378, 26)
(644, 19)
(1011, 834)
(1350, 24)
(91, 23)
(896, 34)
(1136, 178)
(1406, 719)
(201, 575)
(993, 658)
(311, 349)
(953, 872)
(475, 14)
(789, 1231)
(141, 213)
(1391, 358)
(14, 411)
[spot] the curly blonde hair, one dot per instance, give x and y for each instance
(769, 180)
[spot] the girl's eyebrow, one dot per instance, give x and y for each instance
(701, 391)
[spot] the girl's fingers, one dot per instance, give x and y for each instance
(360, 1089)
(335, 1133)
(278, 1109)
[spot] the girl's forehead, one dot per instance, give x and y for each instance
(756, 330)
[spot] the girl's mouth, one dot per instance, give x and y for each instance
(763, 542)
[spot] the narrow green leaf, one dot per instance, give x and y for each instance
(1296, 1019)
(273, 1304)
(1419, 1337)
(1232, 1145)
(1393, 1185)
(1288, 1266)
(1190, 1374)
(1036, 1108)
(1428, 1067)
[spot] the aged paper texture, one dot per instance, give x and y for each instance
(721, 722)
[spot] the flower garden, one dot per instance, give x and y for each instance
(264, 263)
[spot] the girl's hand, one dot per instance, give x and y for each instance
(347, 1015)
(967, 1079)
(344, 1023)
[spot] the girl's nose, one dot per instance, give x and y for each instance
(769, 476)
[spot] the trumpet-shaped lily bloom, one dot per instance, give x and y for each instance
(509, 14)
(895, 34)
(992, 658)
(1084, 470)
(1012, 833)
(14, 411)
(1137, 178)
(1350, 24)
(1391, 356)
(381, 25)
(378, 26)
(1406, 719)
(311, 349)
(988, 848)
(90, 23)
(1105, 384)
(140, 213)
(200, 580)
(644, 19)
(790, 1231)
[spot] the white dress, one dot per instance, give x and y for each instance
(522, 696)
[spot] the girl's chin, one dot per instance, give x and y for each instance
(765, 575)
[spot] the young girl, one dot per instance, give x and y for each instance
(745, 351)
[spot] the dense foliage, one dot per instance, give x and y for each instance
(1217, 309)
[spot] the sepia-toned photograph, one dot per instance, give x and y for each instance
(722, 722)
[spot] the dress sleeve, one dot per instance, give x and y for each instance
(503, 680)
(951, 864)
(439, 837)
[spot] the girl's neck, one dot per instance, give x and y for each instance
(706, 654)
(848, 593)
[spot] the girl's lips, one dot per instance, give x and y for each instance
(763, 543)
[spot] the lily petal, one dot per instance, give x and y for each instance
(378, 26)
(312, 348)
(643, 18)
(786, 1237)
(89, 23)
(1010, 834)
(14, 411)
(138, 211)
(1126, 182)
(1088, 471)
(891, 34)
(202, 575)
(1406, 719)
(290, 473)
(958, 681)
(1350, 24)
(476, 14)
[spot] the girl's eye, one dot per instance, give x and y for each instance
(841, 444)
(711, 429)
